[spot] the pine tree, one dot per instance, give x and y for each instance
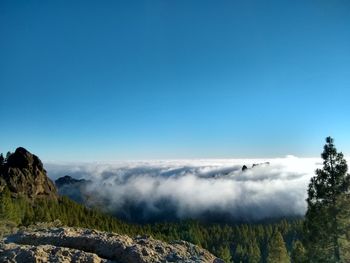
(277, 252)
(254, 255)
(298, 253)
(225, 254)
(239, 253)
(7, 155)
(7, 209)
(2, 159)
(324, 227)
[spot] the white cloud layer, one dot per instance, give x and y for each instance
(197, 188)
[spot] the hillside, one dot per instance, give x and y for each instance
(18, 209)
(28, 196)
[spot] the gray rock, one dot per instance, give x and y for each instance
(45, 253)
(83, 245)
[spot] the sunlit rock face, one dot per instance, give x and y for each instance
(24, 175)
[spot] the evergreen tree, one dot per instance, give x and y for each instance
(298, 253)
(254, 255)
(239, 254)
(8, 155)
(325, 228)
(277, 252)
(225, 254)
(8, 210)
(2, 159)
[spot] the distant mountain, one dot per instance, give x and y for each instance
(68, 180)
(72, 188)
(24, 175)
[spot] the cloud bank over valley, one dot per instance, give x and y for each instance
(210, 190)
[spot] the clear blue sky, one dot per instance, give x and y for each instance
(104, 80)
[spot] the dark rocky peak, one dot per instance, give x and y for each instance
(68, 180)
(244, 167)
(22, 158)
(24, 175)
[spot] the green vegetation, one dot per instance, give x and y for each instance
(277, 252)
(327, 218)
(225, 253)
(298, 253)
(242, 243)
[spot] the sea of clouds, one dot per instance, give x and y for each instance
(202, 189)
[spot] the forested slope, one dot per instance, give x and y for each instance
(244, 242)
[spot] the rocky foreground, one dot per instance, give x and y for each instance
(66, 244)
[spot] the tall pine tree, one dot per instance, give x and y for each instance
(298, 253)
(2, 159)
(225, 254)
(277, 252)
(325, 229)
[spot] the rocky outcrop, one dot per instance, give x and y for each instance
(45, 253)
(244, 167)
(82, 245)
(24, 175)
